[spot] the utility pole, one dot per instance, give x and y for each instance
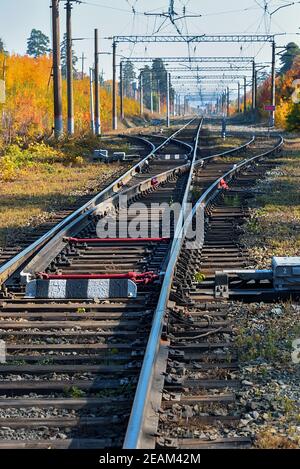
(245, 95)
(96, 83)
(174, 104)
(239, 97)
(141, 94)
(114, 97)
(224, 100)
(70, 97)
(57, 80)
(121, 91)
(158, 96)
(83, 57)
(227, 111)
(151, 92)
(135, 92)
(173, 107)
(273, 84)
(168, 98)
(255, 92)
(253, 86)
(92, 102)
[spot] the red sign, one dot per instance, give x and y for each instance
(269, 107)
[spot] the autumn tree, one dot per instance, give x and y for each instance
(63, 52)
(288, 56)
(1, 45)
(38, 43)
(160, 75)
(146, 80)
(29, 100)
(101, 78)
(128, 78)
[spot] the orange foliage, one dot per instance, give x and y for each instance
(29, 102)
(284, 91)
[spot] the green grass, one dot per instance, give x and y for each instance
(35, 192)
(274, 226)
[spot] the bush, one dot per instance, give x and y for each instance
(13, 160)
(8, 168)
(16, 158)
(293, 119)
(44, 153)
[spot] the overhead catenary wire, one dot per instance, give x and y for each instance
(181, 23)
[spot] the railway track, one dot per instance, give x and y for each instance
(191, 392)
(78, 370)
(72, 366)
(142, 145)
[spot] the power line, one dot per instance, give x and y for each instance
(100, 5)
(283, 6)
(172, 16)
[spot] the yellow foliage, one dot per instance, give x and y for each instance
(282, 111)
(29, 106)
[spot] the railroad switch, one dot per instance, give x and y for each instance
(281, 280)
(286, 273)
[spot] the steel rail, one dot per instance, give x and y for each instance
(211, 190)
(179, 142)
(231, 151)
(9, 267)
(56, 244)
(135, 429)
(143, 388)
(41, 260)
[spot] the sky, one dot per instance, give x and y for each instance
(117, 17)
